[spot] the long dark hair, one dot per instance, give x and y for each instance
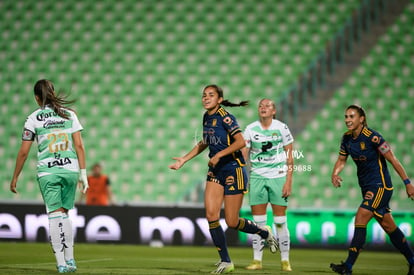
(360, 111)
(225, 102)
(45, 91)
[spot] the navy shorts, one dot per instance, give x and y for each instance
(376, 199)
(232, 177)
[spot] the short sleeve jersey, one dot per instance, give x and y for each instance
(366, 150)
(267, 154)
(53, 134)
(219, 130)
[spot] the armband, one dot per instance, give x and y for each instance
(407, 181)
(28, 135)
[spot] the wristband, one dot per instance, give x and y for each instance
(407, 181)
(83, 173)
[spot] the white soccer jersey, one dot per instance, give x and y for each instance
(53, 134)
(267, 155)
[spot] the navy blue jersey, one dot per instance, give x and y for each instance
(218, 132)
(366, 150)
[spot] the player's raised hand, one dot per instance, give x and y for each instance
(179, 162)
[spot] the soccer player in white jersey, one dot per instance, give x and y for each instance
(269, 145)
(61, 161)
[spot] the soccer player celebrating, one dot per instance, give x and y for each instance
(269, 146)
(226, 177)
(370, 151)
(60, 156)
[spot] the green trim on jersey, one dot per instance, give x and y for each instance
(267, 154)
(56, 153)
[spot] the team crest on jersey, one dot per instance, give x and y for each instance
(229, 180)
(362, 145)
(214, 123)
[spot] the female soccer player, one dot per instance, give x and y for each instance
(269, 145)
(226, 177)
(370, 151)
(60, 156)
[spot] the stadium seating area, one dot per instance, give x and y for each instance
(383, 85)
(137, 69)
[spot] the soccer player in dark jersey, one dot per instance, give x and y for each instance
(370, 151)
(226, 177)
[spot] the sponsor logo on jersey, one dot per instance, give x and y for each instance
(43, 116)
(375, 139)
(228, 120)
(59, 162)
(54, 124)
(229, 180)
(369, 195)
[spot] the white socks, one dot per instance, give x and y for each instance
(57, 236)
(257, 241)
(283, 236)
(67, 229)
(61, 237)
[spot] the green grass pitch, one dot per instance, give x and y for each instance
(37, 258)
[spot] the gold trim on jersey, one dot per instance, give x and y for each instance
(378, 197)
(366, 132)
(222, 112)
(343, 153)
(382, 174)
(240, 178)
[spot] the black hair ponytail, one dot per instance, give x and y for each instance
(45, 91)
(225, 102)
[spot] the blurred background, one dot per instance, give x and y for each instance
(137, 70)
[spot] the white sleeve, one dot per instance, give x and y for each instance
(29, 129)
(246, 136)
(286, 135)
(76, 126)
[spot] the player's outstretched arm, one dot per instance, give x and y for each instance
(338, 167)
(180, 161)
(389, 156)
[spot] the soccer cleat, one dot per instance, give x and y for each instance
(255, 265)
(223, 268)
(341, 268)
(271, 240)
(286, 266)
(71, 265)
(411, 269)
(62, 269)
